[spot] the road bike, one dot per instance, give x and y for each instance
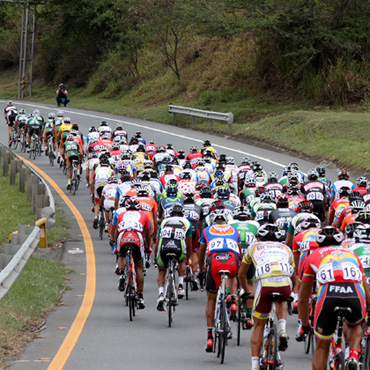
(337, 355)
(51, 154)
(188, 279)
(23, 141)
(170, 291)
(309, 340)
(75, 179)
(130, 292)
(242, 313)
(35, 147)
(364, 356)
(222, 327)
(270, 358)
(15, 139)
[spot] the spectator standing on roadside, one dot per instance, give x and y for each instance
(62, 96)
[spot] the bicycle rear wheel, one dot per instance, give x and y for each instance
(15, 142)
(240, 308)
(223, 331)
(187, 282)
(170, 294)
(34, 152)
(101, 225)
(339, 362)
(130, 288)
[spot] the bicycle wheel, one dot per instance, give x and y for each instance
(130, 297)
(23, 144)
(101, 225)
(170, 288)
(240, 308)
(15, 142)
(34, 152)
(223, 331)
(366, 356)
(187, 282)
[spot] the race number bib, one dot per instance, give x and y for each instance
(351, 271)
(326, 273)
(171, 233)
(315, 196)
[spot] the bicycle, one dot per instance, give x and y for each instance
(364, 355)
(221, 318)
(337, 360)
(309, 340)
(33, 148)
(23, 142)
(170, 292)
(242, 313)
(131, 287)
(75, 179)
(188, 280)
(270, 358)
(51, 153)
(14, 139)
(101, 223)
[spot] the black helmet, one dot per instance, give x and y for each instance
(272, 176)
(177, 210)
(142, 191)
(269, 232)
(344, 191)
(205, 192)
(351, 228)
(321, 171)
(362, 233)
(282, 201)
(103, 123)
(188, 197)
(241, 213)
(132, 204)
(309, 223)
(363, 216)
(329, 235)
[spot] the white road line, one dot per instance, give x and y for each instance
(157, 130)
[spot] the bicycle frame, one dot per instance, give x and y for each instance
(131, 286)
(170, 292)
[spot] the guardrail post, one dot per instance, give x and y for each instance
(6, 164)
(13, 170)
(212, 123)
(194, 121)
(31, 179)
(41, 202)
(22, 179)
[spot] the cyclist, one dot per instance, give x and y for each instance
(222, 244)
(274, 266)
(104, 128)
(193, 154)
(97, 183)
(315, 192)
(108, 197)
(341, 282)
(248, 235)
(151, 149)
(49, 131)
(343, 180)
(34, 127)
(10, 114)
(131, 229)
(361, 183)
(174, 236)
(172, 196)
(120, 133)
(71, 151)
(260, 212)
(249, 192)
(273, 186)
(21, 122)
(337, 206)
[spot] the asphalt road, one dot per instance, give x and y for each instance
(108, 339)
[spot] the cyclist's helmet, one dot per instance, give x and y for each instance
(351, 228)
(218, 216)
(51, 115)
(36, 112)
(148, 163)
(293, 190)
(70, 137)
(343, 175)
(241, 213)
(223, 193)
(363, 216)
(186, 175)
(151, 141)
(230, 160)
(272, 176)
(172, 189)
(362, 233)
(145, 176)
(119, 127)
(293, 178)
(321, 171)
(205, 192)
(60, 113)
(188, 197)
(294, 166)
(309, 223)
(220, 181)
(355, 195)
(269, 232)
(218, 173)
(92, 129)
(206, 143)
(23, 111)
(136, 183)
(313, 174)
(142, 191)
(361, 181)
(73, 132)
(181, 154)
(187, 165)
(177, 210)
(125, 156)
(112, 180)
(282, 201)
(115, 146)
(257, 167)
(10, 103)
(250, 182)
(267, 198)
(103, 161)
(199, 185)
(132, 204)
(245, 162)
(138, 134)
(193, 149)
(161, 149)
(67, 120)
(344, 191)
(141, 148)
(103, 123)
(357, 205)
(329, 235)
(304, 206)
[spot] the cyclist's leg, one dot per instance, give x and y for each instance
(320, 357)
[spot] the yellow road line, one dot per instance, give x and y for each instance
(74, 332)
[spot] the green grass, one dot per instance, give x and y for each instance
(37, 290)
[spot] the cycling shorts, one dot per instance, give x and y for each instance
(252, 268)
(319, 210)
(132, 239)
(21, 124)
(98, 192)
(70, 159)
(11, 120)
(262, 303)
(217, 262)
(33, 130)
(334, 295)
(167, 246)
(196, 237)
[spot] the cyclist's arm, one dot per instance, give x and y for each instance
(242, 275)
(303, 300)
(289, 239)
(146, 234)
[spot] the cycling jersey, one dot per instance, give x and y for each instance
(247, 231)
(363, 252)
(294, 227)
(282, 218)
(334, 193)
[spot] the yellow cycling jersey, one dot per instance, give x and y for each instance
(65, 127)
(273, 261)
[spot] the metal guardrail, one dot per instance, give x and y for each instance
(198, 113)
(12, 270)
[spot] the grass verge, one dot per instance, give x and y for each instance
(37, 290)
